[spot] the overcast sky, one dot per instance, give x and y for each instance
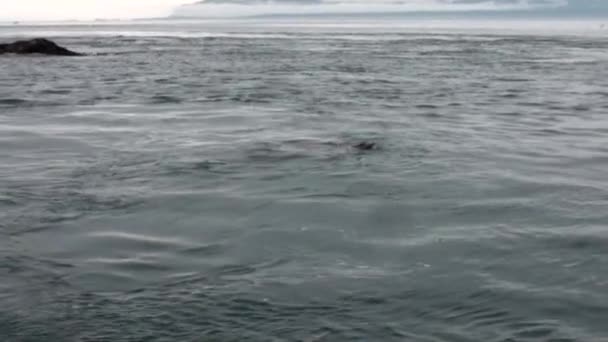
(85, 9)
(92, 9)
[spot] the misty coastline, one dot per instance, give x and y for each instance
(539, 9)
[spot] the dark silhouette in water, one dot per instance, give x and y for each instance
(38, 45)
(366, 146)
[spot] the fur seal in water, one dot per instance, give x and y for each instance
(366, 146)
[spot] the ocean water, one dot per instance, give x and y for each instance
(196, 181)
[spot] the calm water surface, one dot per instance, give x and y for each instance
(197, 183)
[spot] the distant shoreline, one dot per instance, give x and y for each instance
(546, 14)
(478, 16)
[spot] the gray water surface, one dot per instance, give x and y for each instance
(203, 187)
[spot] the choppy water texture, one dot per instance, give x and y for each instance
(202, 187)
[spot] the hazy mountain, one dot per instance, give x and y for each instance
(491, 8)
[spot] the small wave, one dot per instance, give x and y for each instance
(56, 91)
(509, 96)
(273, 156)
(432, 115)
(426, 106)
(8, 201)
(129, 264)
(590, 243)
(207, 167)
(13, 102)
(550, 132)
(165, 99)
(293, 149)
(140, 239)
(248, 99)
(512, 79)
(349, 69)
(204, 250)
(19, 103)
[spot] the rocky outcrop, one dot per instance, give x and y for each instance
(36, 46)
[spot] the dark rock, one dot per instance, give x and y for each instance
(366, 146)
(39, 45)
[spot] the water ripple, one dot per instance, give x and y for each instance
(182, 184)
